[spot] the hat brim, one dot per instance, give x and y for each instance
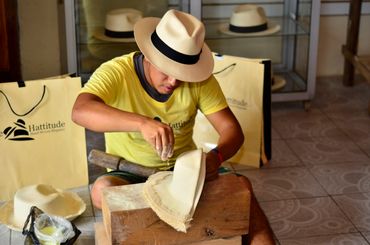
(99, 33)
(200, 71)
(278, 83)
(7, 211)
(271, 29)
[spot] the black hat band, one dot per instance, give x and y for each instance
(248, 29)
(173, 54)
(119, 34)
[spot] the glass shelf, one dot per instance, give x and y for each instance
(292, 49)
(287, 27)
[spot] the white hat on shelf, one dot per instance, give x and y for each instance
(249, 20)
(119, 25)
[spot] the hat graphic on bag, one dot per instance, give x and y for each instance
(248, 20)
(45, 197)
(173, 196)
(119, 25)
(174, 44)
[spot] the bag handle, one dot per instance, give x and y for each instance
(224, 69)
(21, 115)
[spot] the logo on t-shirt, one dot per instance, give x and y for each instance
(175, 125)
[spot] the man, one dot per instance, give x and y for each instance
(146, 103)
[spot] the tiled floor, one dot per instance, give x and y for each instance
(316, 189)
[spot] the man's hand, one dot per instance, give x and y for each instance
(160, 136)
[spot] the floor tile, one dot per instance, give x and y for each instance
(357, 208)
(16, 238)
(283, 183)
(351, 238)
(366, 234)
(298, 218)
(4, 235)
(302, 124)
(282, 156)
(356, 126)
(85, 240)
(323, 150)
(239, 167)
(351, 177)
(274, 134)
(341, 98)
(85, 225)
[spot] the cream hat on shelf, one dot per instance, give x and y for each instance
(249, 20)
(277, 82)
(173, 196)
(50, 200)
(174, 44)
(119, 25)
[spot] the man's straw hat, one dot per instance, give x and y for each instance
(175, 45)
(50, 200)
(119, 25)
(248, 20)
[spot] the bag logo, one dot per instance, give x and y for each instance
(17, 131)
(241, 104)
(20, 132)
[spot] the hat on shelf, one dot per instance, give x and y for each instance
(249, 20)
(173, 196)
(119, 25)
(175, 45)
(50, 200)
(277, 82)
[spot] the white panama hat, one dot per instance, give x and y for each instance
(248, 20)
(175, 45)
(50, 200)
(119, 25)
(173, 196)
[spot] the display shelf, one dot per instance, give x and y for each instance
(292, 50)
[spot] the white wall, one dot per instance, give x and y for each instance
(332, 35)
(39, 38)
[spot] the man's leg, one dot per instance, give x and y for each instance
(112, 178)
(260, 231)
(101, 183)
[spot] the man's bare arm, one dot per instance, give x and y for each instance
(230, 140)
(91, 112)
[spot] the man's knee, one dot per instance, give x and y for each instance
(246, 182)
(101, 183)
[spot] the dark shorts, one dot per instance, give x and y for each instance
(132, 178)
(135, 179)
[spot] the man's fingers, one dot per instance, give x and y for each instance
(158, 146)
(167, 144)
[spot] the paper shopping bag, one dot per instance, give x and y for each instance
(38, 141)
(246, 84)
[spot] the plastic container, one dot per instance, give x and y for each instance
(53, 230)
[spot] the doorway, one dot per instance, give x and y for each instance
(10, 69)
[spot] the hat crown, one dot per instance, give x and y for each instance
(181, 32)
(248, 15)
(122, 19)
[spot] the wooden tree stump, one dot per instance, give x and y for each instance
(222, 212)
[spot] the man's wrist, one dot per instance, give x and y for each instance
(219, 155)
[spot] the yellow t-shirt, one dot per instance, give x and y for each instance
(118, 85)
